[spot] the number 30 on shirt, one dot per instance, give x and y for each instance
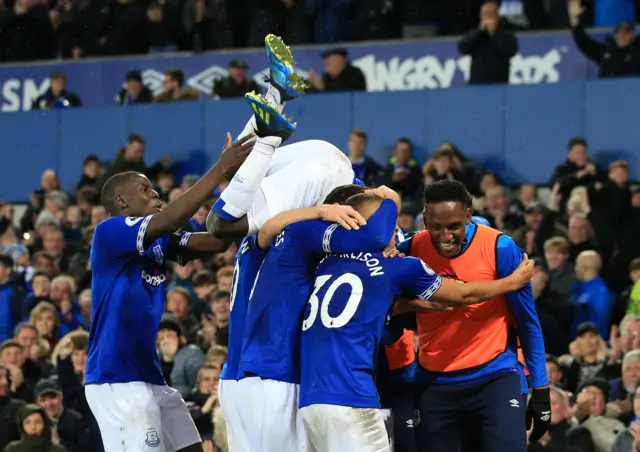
(350, 307)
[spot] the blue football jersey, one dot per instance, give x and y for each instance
(247, 264)
(344, 321)
(271, 343)
(128, 289)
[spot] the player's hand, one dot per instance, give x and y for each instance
(345, 216)
(207, 446)
(169, 348)
(538, 413)
(522, 275)
(236, 153)
(55, 438)
(391, 251)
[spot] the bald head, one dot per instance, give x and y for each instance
(588, 265)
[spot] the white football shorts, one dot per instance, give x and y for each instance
(229, 404)
(141, 417)
(334, 428)
(268, 412)
(300, 175)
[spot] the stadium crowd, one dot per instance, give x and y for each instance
(580, 231)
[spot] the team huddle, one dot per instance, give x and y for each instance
(320, 276)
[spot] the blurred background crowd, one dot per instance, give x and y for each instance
(580, 227)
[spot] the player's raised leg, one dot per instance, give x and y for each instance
(285, 84)
(272, 127)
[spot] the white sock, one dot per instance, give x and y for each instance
(273, 97)
(239, 196)
(249, 128)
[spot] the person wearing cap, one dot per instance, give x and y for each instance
(235, 84)
(69, 424)
(588, 358)
(57, 96)
(134, 91)
(180, 362)
(589, 411)
(527, 236)
(339, 73)
(617, 57)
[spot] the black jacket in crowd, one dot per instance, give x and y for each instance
(48, 100)
(8, 413)
(613, 61)
(145, 96)
(566, 438)
(490, 55)
(227, 88)
(565, 174)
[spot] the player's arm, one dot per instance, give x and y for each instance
(225, 229)
(177, 213)
(345, 216)
(522, 304)
(184, 246)
(373, 236)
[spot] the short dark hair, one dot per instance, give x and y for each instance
(87, 194)
(339, 195)
(41, 273)
(177, 75)
(576, 141)
(447, 191)
(405, 140)
(359, 200)
(135, 138)
(90, 158)
(6, 261)
(112, 187)
(360, 133)
(553, 360)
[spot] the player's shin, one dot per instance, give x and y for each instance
(236, 200)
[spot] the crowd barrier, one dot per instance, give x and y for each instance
(518, 131)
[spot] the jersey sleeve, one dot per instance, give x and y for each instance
(417, 278)
(405, 246)
(508, 257)
(118, 236)
(177, 247)
(374, 236)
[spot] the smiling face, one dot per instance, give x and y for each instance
(446, 222)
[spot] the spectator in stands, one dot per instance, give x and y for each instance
(68, 423)
(9, 407)
(403, 173)
(365, 168)
(204, 399)
(57, 96)
(29, 339)
(235, 84)
(79, 264)
(617, 57)
(124, 30)
(11, 299)
(629, 439)
(589, 359)
(63, 291)
(10, 241)
(180, 362)
(339, 74)
(174, 89)
(27, 32)
(525, 236)
(179, 305)
(161, 37)
(98, 214)
(577, 170)
(134, 91)
(491, 48)
(594, 301)
(206, 25)
(622, 389)
(500, 210)
(13, 360)
(65, 21)
(562, 435)
(91, 168)
(561, 273)
(166, 182)
(46, 320)
(580, 235)
(556, 313)
(554, 372)
(131, 158)
(37, 433)
(590, 413)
